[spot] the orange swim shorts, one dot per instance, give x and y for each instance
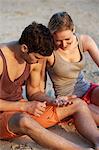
(48, 119)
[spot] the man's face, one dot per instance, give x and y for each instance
(32, 58)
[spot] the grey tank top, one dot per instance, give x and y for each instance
(67, 78)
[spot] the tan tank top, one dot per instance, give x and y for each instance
(67, 77)
(12, 91)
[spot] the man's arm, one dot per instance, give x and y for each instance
(33, 107)
(11, 106)
(35, 84)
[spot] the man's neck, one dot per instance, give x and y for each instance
(15, 47)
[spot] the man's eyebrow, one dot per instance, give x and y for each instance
(37, 57)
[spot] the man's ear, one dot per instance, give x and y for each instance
(24, 48)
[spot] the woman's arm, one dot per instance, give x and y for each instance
(90, 46)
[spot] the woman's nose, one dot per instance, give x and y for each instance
(64, 44)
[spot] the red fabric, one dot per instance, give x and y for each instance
(87, 96)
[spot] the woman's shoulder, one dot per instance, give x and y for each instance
(50, 59)
(87, 41)
(84, 37)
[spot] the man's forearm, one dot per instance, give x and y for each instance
(40, 96)
(11, 105)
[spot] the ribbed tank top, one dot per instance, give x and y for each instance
(12, 91)
(67, 77)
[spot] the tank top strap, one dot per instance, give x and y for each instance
(26, 72)
(4, 61)
(79, 43)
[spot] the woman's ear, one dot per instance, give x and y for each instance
(24, 48)
(74, 29)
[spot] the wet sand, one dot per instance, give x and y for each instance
(15, 15)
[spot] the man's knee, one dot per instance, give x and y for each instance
(18, 121)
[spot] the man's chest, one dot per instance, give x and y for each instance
(14, 69)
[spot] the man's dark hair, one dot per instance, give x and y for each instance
(38, 39)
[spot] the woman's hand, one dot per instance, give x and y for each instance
(61, 101)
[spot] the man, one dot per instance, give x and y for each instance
(22, 61)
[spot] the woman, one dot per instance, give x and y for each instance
(68, 60)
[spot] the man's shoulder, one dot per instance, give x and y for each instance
(1, 65)
(37, 67)
(2, 45)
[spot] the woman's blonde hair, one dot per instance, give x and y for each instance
(60, 21)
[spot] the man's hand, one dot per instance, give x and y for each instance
(35, 108)
(63, 100)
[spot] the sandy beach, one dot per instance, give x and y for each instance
(15, 15)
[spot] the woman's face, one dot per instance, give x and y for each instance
(63, 39)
